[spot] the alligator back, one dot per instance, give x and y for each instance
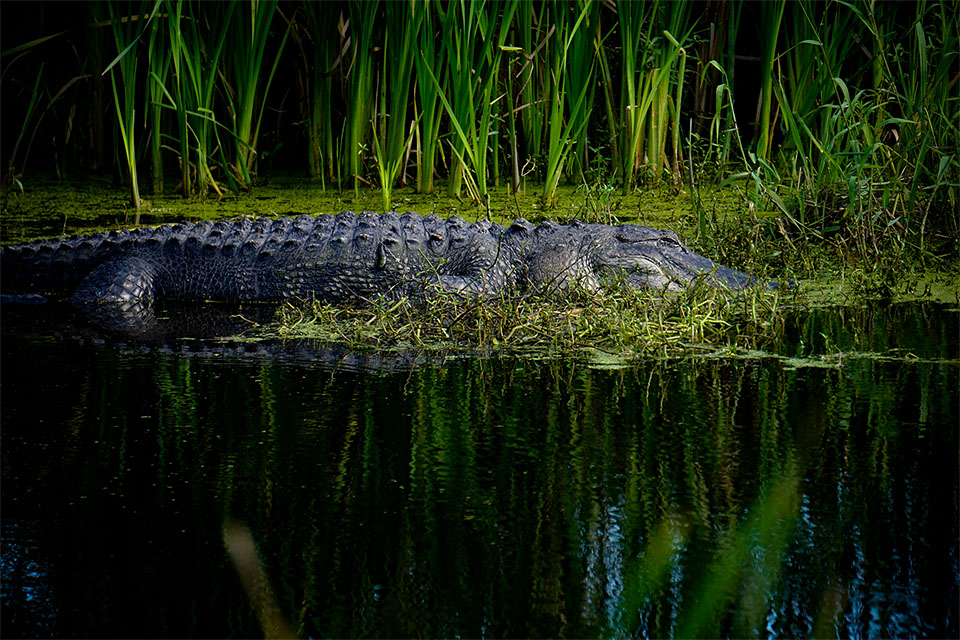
(327, 257)
(59, 265)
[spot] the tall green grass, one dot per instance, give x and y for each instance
(570, 94)
(392, 133)
(854, 131)
(321, 54)
(159, 60)
(197, 44)
(868, 149)
(249, 80)
(359, 88)
(431, 55)
(38, 92)
(771, 18)
(11, 171)
(922, 80)
(127, 32)
(175, 93)
(644, 114)
(474, 35)
(534, 31)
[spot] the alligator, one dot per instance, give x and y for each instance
(351, 256)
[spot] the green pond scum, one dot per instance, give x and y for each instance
(43, 208)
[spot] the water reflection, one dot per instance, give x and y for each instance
(491, 497)
(27, 587)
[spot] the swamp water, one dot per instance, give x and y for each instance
(810, 491)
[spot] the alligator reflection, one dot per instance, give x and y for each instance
(768, 496)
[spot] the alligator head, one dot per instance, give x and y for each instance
(585, 255)
(657, 259)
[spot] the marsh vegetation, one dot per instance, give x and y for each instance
(840, 117)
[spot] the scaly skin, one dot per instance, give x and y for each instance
(350, 257)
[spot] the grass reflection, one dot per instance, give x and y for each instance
(741, 574)
(651, 572)
(688, 498)
(745, 569)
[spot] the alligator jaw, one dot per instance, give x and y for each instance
(648, 274)
(695, 268)
(669, 265)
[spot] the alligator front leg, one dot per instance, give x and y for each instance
(478, 285)
(123, 279)
(119, 295)
(482, 267)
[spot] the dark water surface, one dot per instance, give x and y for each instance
(809, 492)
